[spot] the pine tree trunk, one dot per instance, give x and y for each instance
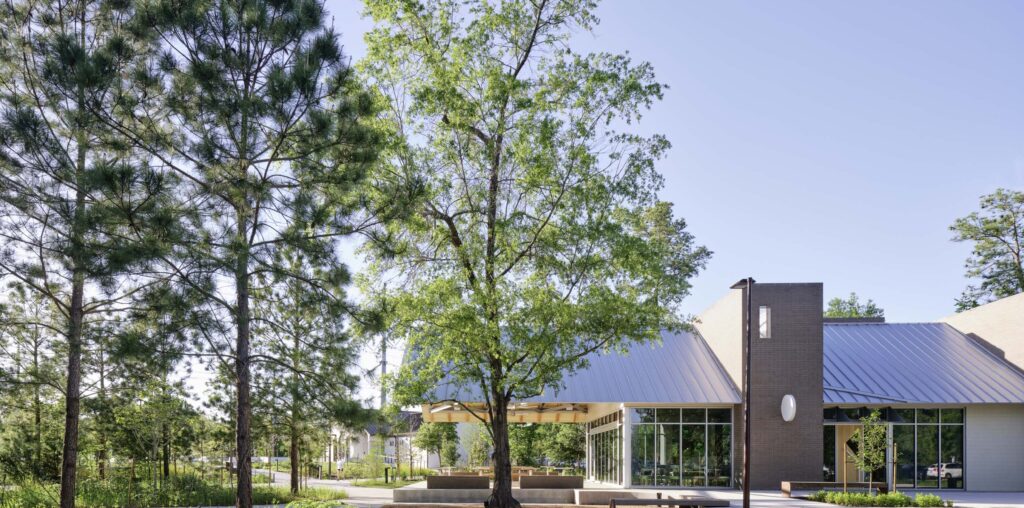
(101, 455)
(166, 451)
(293, 421)
(72, 405)
(37, 409)
(293, 453)
(243, 414)
(501, 494)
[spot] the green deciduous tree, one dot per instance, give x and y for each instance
(851, 307)
(871, 444)
(432, 438)
(524, 445)
(997, 232)
(539, 238)
(80, 209)
(563, 443)
(479, 446)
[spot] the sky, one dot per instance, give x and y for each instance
(823, 141)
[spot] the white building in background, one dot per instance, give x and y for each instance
(356, 444)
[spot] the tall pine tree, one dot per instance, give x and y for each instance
(80, 211)
(252, 103)
(304, 352)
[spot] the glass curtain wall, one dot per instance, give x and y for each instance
(673, 447)
(928, 446)
(604, 461)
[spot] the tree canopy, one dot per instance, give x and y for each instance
(851, 307)
(997, 234)
(538, 237)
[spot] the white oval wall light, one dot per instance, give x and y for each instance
(788, 408)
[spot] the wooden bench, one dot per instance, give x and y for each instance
(458, 482)
(789, 487)
(550, 482)
(698, 502)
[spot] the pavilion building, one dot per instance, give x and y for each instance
(951, 394)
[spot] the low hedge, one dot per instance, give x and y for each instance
(889, 499)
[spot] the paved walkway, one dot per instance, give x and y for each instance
(365, 497)
(372, 497)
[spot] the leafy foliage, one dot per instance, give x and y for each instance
(538, 237)
(851, 307)
(871, 444)
(441, 439)
(888, 499)
(997, 232)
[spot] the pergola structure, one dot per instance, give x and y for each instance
(519, 412)
(628, 403)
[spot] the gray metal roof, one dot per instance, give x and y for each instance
(680, 370)
(914, 363)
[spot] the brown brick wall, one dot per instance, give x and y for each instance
(790, 362)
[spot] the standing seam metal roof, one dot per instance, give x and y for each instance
(680, 370)
(914, 363)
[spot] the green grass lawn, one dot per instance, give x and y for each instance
(379, 483)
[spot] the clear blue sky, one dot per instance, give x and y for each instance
(824, 141)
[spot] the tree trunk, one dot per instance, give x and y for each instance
(37, 409)
(398, 458)
(293, 454)
(293, 421)
(101, 454)
(166, 451)
(72, 404)
(243, 414)
(501, 495)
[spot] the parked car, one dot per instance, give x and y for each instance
(946, 470)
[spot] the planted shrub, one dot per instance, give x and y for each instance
(864, 499)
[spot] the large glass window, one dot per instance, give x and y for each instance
(719, 455)
(667, 472)
(643, 455)
(605, 460)
(681, 447)
(828, 469)
(927, 455)
(903, 444)
(693, 450)
(928, 445)
(951, 474)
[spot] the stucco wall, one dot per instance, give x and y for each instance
(994, 448)
(1000, 324)
(721, 325)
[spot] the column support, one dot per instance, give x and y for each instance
(627, 449)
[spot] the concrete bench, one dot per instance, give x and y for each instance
(698, 502)
(789, 487)
(458, 482)
(551, 482)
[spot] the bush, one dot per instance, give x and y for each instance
(928, 500)
(863, 499)
(187, 490)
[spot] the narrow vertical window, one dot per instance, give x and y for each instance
(766, 322)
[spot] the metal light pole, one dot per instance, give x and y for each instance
(746, 284)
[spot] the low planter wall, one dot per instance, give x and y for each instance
(478, 496)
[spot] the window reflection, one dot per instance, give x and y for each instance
(681, 448)
(928, 445)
